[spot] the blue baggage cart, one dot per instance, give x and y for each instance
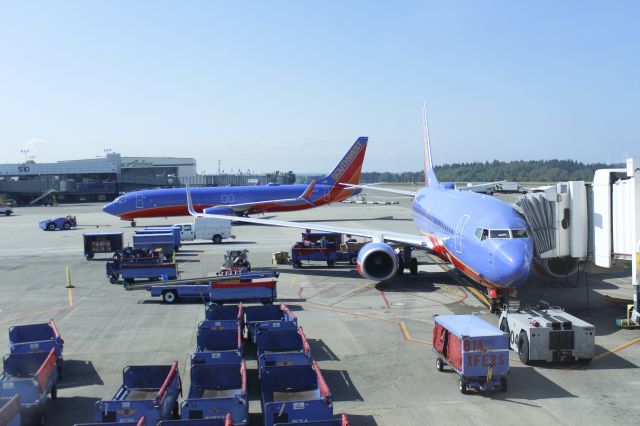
(205, 422)
(10, 411)
(163, 230)
(216, 390)
(58, 223)
(260, 291)
(163, 241)
(140, 422)
(260, 318)
(476, 350)
(33, 377)
(37, 338)
(102, 242)
(342, 421)
(147, 390)
(282, 347)
(294, 394)
(218, 341)
(131, 271)
(224, 314)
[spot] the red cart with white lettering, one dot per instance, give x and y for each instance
(473, 348)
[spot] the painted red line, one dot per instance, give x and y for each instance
(386, 302)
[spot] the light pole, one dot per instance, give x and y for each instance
(107, 151)
(26, 154)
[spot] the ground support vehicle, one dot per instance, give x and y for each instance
(130, 271)
(163, 241)
(37, 338)
(294, 394)
(257, 290)
(217, 390)
(318, 254)
(324, 247)
(102, 242)
(342, 421)
(6, 210)
(210, 422)
(235, 260)
(58, 223)
(548, 335)
(268, 317)
(175, 231)
(206, 228)
(227, 314)
(147, 390)
(32, 376)
(476, 350)
(219, 340)
(282, 347)
(10, 411)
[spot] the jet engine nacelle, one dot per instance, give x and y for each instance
(377, 261)
(219, 210)
(556, 267)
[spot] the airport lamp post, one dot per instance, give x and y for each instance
(26, 154)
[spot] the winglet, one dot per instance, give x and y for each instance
(192, 211)
(306, 195)
(429, 175)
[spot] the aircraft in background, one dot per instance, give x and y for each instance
(246, 200)
(484, 238)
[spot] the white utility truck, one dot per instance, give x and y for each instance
(206, 228)
(548, 334)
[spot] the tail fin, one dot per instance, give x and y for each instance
(429, 175)
(349, 167)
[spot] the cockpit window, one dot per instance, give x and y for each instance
(499, 233)
(519, 233)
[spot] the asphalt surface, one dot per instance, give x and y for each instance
(371, 340)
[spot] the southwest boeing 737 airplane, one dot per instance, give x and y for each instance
(484, 238)
(246, 200)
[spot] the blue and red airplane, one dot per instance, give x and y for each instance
(483, 237)
(246, 200)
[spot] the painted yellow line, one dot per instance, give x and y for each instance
(479, 295)
(70, 295)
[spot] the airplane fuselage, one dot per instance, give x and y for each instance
(483, 237)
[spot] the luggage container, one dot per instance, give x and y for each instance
(473, 348)
(282, 347)
(31, 338)
(164, 241)
(216, 390)
(130, 271)
(10, 411)
(164, 230)
(147, 390)
(261, 318)
(210, 422)
(295, 394)
(33, 377)
(217, 341)
(102, 242)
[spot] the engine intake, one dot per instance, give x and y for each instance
(377, 261)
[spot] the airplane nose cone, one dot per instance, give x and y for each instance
(110, 208)
(512, 263)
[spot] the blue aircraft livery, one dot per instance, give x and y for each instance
(483, 237)
(246, 200)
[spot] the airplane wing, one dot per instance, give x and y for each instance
(376, 188)
(376, 235)
(244, 206)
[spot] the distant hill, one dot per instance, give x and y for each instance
(518, 171)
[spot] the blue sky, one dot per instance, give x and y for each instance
(289, 85)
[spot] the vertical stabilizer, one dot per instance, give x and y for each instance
(429, 175)
(349, 167)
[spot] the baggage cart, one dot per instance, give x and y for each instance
(32, 376)
(216, 390)
(10, 411)
(140, 422)
(260, 318)
(37, 338)
(147, 390)
(163, 241)
(294, 394)
(130, 271)
(102, 242)
(164, 230)
(282, 347)
(476, 350)
(233, 314)
(210, 422)
(219, 341)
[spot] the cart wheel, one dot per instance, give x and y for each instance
(439, 364)
(217, 239)
(89, 256)
(51, 226)
(463, 387)
(169, 296)
(66, 226)
(523, 348)
(54, 392)
(503, 384)
(331, 263)
(504, 325)
(113, 279)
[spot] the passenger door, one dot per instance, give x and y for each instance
(139, 201)
(461, 223)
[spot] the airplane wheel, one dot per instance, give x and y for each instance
(54, 392)
(133, 223)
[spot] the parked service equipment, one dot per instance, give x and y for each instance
(206, 228)
(475, 349)
(219, 340)
(175, 231)
(31, 338)
(32, 376)
(103, 242)
(164, 241)
(548, 335)
(221, 315)
(217, 389)
(140, 422)
(209, 422)
(324, 247)
(293, 394)
(6, 210)
(236, 261)
(58, 223)
(282, 347)
(10, 411)
(129, 271)
(261, 318)
(147, 390)
(342, 421)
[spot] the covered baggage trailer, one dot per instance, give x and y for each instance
(131, 271)
(216, 390)
(42, 337)
(261, 318)
(342, 421)
(32, 376)
(102, 242)
(282, 347)
(475, 349)
(295, 394)
(548, 334)
(147, 390)
(164, 230)
(10, 411)
(204, 422)
(163, 241)
(58, 223)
